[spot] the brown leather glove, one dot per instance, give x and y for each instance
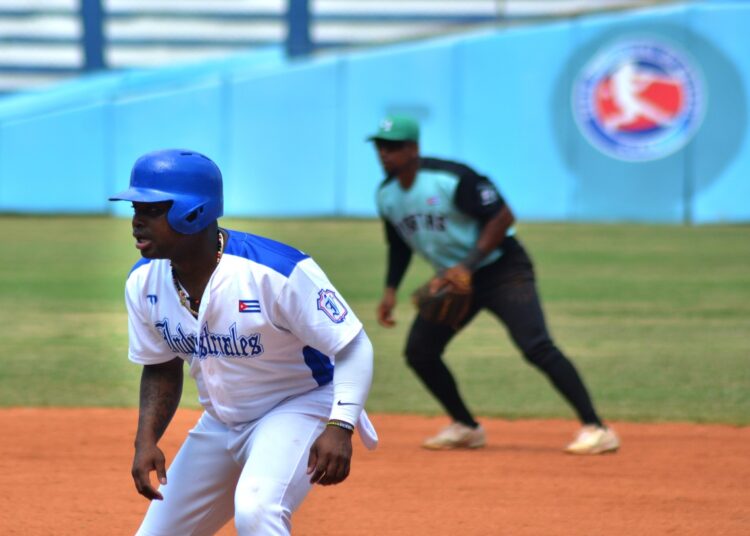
(445, 299)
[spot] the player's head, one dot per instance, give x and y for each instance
(397, 143)
(189, 180)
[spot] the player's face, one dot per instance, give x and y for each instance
(396, 156)
(154, 237)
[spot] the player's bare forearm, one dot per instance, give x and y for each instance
(491, 236)
(495, 230)
(389, 295)
(161, 390)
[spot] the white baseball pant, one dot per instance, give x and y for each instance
(256, 472)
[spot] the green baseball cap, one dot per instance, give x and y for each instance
(397, 128)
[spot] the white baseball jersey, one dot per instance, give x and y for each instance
(269, 326)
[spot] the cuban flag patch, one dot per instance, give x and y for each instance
(249, 306)
(331, 305)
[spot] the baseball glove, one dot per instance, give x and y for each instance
(446, 305)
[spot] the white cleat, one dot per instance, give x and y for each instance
(457, 436)
(593, 439)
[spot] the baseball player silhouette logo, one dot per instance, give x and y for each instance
(631, 100)
(639, 100)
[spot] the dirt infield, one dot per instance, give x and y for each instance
(66, 472)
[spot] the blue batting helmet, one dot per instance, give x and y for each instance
(189, 179)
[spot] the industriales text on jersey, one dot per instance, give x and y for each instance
(210, 344)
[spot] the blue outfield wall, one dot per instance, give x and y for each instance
(638, 116)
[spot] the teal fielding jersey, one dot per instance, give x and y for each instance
(427, 217)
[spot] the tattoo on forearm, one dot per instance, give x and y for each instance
(161, 389)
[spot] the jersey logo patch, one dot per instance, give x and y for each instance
(152, 298)
(331, 305)
(487, 194)
(249, 306)
(433, 201)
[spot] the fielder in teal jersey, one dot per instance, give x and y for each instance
(458, 221)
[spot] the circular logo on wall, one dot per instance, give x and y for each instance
(638, 100)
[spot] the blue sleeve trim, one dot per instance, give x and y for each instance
(275, 255)
(138, 264)
(320, 365)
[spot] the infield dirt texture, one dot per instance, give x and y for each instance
(66, 472)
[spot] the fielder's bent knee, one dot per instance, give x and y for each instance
(421, 352)
(419, 360)
(543, 355)
(253, 517)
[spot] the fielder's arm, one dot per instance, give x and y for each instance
(161, 390)
(331, 453)
(399, 257)
(477, 196)
(492, 235)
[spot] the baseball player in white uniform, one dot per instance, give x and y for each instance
(282, 364)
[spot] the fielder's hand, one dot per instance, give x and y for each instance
(446, 298)
(385, 308)
(148, 458)
(457, 278)
(330, 456)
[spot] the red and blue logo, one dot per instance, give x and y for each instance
(639, 100)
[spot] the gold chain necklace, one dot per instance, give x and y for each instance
(184, 298)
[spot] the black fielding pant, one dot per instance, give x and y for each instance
(507, 289)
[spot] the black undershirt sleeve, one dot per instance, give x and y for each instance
(399, 256)
(477, 196)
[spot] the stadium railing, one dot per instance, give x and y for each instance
(43, 41)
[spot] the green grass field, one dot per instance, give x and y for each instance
(657, 318)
